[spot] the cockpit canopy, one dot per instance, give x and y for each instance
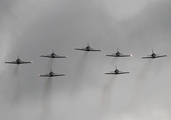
(18, 60)
(53, 54)
(88, 48)
(116, 71)
(51, 73)
(153, 55)
(118, 53)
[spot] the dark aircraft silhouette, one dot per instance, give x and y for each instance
(18, 61)
(116, 72)
(154, 55)
(53, 55)
(88, 48)
(118, 54)
(51, 74)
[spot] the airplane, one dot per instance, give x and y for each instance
(18, 61)
(118, 54)
(51, 74)
(153, 55)
(116, 72)
(53, 55)
(88, 48)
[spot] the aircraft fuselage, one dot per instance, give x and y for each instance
(18, 61)
(88, 48)
(116, 71)
(51, 73)
(153, 55)
(118, 54)
(53, 55)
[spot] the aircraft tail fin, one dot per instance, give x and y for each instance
(116, 67)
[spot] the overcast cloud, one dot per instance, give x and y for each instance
(35, 27)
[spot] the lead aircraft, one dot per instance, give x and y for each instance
(88, 48)
(116, 72)
(153, 55)
(53, 55)
(51, 74)
(18, 61)
(118, 54)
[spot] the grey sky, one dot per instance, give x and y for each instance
(35, 27)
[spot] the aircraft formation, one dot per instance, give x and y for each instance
(87, 49)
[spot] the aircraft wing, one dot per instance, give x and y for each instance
(83, 49)
(47, 75)
(49, 56)
(119, 56)
(160, 56)
(146, 57)
(59, 75)
(22, 62)
(125, 55)
(123, 72)
(113, 73)
(110, 73)
(154, 57)
(57, 56)
(13, 62)
(94, 50)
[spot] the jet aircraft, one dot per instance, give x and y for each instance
(116, 72)
(153, 55)
(51, 74)
(18, 61)
(88, 48)
(118, 54)
(53, 55)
